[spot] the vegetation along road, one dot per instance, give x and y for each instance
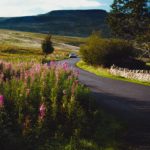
(128, 101)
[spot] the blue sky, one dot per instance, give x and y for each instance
(9, 8)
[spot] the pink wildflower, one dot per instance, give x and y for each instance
(52, 63)
(8, 66)
(1, 101)
(42, 110)
(37, 68)
(76, 73)
(65, 66)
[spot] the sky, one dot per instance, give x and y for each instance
(10, 8)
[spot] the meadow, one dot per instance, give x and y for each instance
(43, 106)
(26, 46)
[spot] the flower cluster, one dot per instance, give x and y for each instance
(41, 104)
(1, 101)
(42, 110)
(37, 96)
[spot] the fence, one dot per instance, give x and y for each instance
(141, 75)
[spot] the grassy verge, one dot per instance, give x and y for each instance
(99, 71)
(148, 64)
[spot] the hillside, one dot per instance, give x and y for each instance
(62, 22)
(18, 46)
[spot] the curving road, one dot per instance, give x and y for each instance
(129, 101)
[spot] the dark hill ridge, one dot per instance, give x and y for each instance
(62, 22)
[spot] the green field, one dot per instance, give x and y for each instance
(15, 45)
(34, 39)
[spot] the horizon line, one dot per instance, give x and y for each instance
(53, 11)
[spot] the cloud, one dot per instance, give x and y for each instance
(33, 7)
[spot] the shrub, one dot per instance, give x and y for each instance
(47, 46)
(106, 52)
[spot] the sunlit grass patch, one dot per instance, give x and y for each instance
(34, 39)
(24, 54)
(104, 72)
(148, 64)
(26, 46)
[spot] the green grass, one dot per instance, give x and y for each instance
(72, 145)
(25, 54)
(29, 39)
(103, 72)
(148, 64)
(25, 46)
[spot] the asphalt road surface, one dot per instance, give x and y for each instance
(128, 101)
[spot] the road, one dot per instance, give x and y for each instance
(128, 101)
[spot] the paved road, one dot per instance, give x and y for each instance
(129, 101)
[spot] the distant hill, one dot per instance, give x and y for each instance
(62, 22)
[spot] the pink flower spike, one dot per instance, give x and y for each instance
(1, 101)
(42, 111)
(65, 66)
(52, 64)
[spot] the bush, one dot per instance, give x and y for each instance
(106, 52)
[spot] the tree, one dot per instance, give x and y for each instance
(143, 44)
(47, 46)
(129, 18)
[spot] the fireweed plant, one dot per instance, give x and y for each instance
(40, 103)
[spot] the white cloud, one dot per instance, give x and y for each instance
(33, 7)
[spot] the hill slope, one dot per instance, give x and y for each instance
(62, 22)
